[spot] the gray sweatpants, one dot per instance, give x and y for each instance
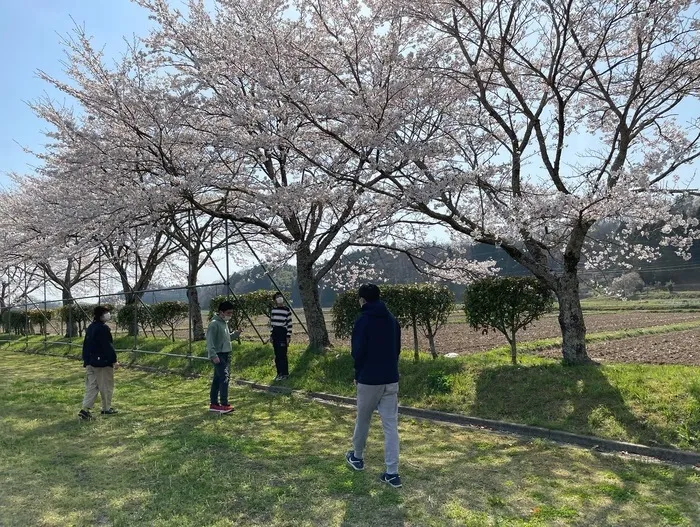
(385, 399)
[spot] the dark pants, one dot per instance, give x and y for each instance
(279, 343)
(219, 384)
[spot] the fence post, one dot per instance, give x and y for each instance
(46, 314)
(188, 291)
(26, 310)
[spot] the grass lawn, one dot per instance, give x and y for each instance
(648, 404)
(164, 461)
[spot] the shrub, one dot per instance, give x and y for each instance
(169, 314)
(245, 307)
(14, 321)
(439, 383)
(40, 317)
(418, 306)
(125, 318)
(507, 305)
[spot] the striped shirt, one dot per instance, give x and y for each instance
(281, 317)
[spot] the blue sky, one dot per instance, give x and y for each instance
(30, 33)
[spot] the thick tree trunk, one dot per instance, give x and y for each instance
(193, 300)
(71, 323)
(573, 328)
(313, 312)
(131, 299)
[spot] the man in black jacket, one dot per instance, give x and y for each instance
(99, 361)
(376, 345)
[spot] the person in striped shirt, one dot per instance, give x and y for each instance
(281, 335)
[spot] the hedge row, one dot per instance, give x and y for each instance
(420, 307)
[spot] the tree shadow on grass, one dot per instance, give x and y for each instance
(579, 399)
(279, 460)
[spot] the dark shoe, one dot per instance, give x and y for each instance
(85, 415)
(391, 479)
(355, 462)
(111, 411)
(215, 408)
(226, 408)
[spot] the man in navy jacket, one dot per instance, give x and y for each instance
(376, 345)
(99, 361)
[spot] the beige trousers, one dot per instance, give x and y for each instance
(98, 380)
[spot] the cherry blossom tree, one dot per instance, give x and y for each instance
(223, 144)
(482, 107)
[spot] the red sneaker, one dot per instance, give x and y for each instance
(216, 408)
(226, 408)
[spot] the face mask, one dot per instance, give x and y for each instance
(106, 317)
(280, 301)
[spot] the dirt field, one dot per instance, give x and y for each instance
(681, 347)
(678, 348)
(459, 338)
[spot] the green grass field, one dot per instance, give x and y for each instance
(649, 404)
(164, 461)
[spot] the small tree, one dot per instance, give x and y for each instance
(627, 285)
(256, 303)
(39, 317)
(125, 318)
(507, 305)
(170, 314)
(418, 306)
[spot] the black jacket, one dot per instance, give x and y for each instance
(376, 345)
(98, 350)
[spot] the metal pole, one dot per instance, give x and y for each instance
(26, 310)
(46, 325)
(190, 336)
(264, 267)
(135, 328)
(99, 275)
(228, 272)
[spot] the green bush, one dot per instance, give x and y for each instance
(169, 314)
(506, 304)
(418, 306)
(41, 318)
(439, 383)
(14, 321)
(246, 306)
(125, 318)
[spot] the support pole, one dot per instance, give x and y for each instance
(99, 275)
(26, 310)
(190, 336)
(46, 325)
(260, 262)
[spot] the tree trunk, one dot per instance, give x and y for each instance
(71, 325)
(313, 312)
(193, 300)
(131, 299)
(513, 349)
(414, 323)
(573, 328)
(430, 334)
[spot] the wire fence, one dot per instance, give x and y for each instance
(60, 323)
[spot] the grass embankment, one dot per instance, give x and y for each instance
(164, 461)
(648, 404)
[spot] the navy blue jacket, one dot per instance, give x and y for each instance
(98, 350)
(376, 345)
